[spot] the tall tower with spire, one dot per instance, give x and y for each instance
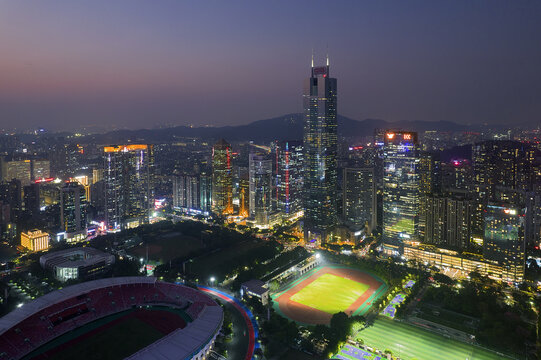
(320, 157)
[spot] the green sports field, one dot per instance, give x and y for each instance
(330, 293)
(410, 342)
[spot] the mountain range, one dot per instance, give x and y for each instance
(286, 127)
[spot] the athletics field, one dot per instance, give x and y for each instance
(325, 291)
(410, 342)
(114, 337)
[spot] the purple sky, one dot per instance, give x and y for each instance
(68, 64)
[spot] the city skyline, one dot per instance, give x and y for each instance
(143, 65)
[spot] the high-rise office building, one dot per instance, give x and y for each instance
(429, 183)
(17, 169)
(11, 193)
(320, 154)
(260, 170)
(128, 185)
(41, 169)
(73, 211)
(222, 178)
(448, 221)
(192, 193)
(359, 197)
(205, 192)
(504, 238)
(502, 166)
(32, 202)
(289, 179)
(401, 187)
(457, 175)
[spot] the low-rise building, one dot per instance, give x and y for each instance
(35, 240)
(255, 288)
(77, 263)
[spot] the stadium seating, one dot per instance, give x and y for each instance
(72, 312)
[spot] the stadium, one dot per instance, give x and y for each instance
(326, 290)
(131, 317)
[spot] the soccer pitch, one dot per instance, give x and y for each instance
(410, 342)
(330, 293)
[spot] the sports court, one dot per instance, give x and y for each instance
(327, 290)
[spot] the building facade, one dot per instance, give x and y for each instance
(504, 236)
(73, 211)
(222, 178)
(260, 194)
(289, 179)
(35, 240)
(359, 197)
(320, 154)
(448, 221)
(400, 187)
(128, 185)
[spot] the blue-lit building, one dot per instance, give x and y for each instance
(400, 188)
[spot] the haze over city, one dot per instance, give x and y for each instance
(135, 64)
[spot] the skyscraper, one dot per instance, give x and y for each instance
(260, 169)
(401, 187)
(448, 221)
(222, 178)
(128, 185)
(320, 154)
(429, 183)
(289, 177)
(73, 210)
(504, 238)
(359, 192)
(192, 193)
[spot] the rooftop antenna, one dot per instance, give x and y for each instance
(312, 57)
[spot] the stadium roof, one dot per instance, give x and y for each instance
(187, 342)
(18, 315)
(62, 258)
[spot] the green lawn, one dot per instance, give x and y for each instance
(330, 293)
(409, 342)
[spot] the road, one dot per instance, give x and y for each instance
(244, 332)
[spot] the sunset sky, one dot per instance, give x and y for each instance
(69, 64)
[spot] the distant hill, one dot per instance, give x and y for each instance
(286, 127)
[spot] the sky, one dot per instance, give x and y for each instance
(108, 64)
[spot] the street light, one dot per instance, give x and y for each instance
(212, 279)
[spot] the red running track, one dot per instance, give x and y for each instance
(251, 333)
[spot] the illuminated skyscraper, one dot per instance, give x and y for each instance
(128, 185)
(73, 209)
(260, 169)
(289, 177)
(401, 187)
(222, 178)
(320, 154)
